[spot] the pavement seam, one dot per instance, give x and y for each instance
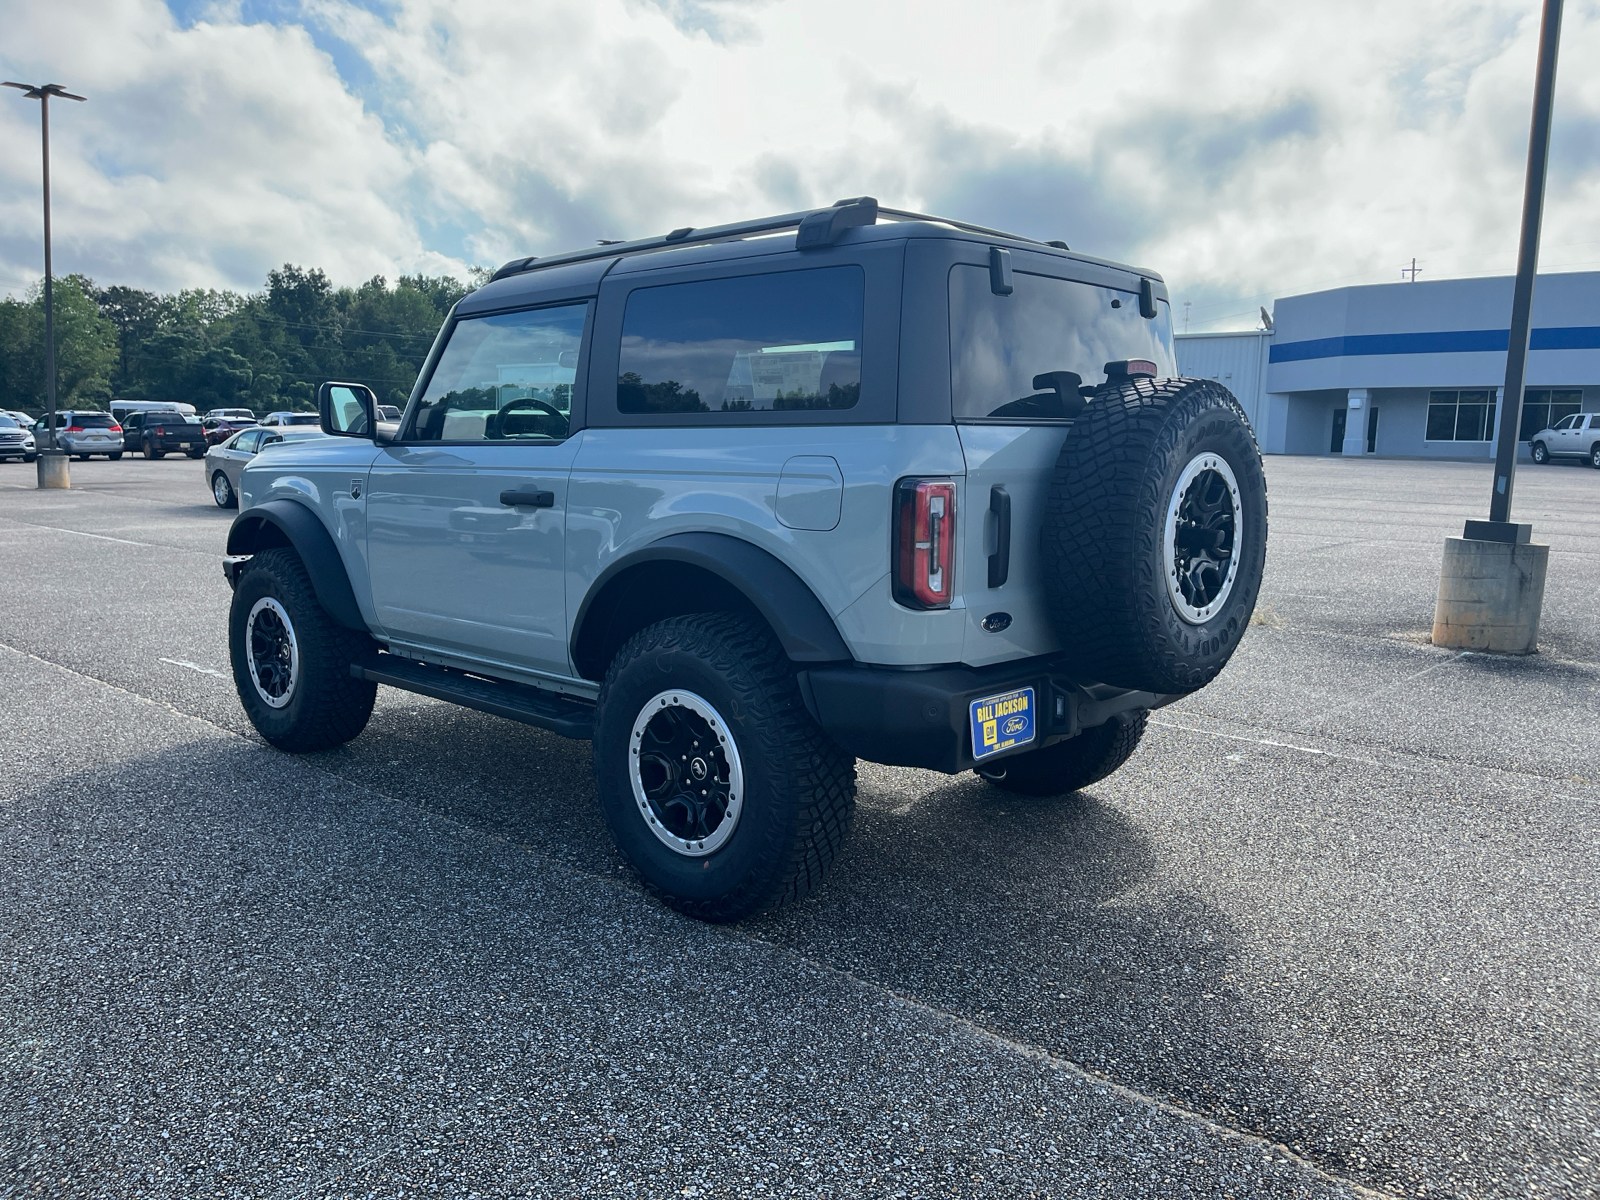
(1022, 1050)
(1067, 1066)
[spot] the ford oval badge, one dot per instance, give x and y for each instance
(996, 622)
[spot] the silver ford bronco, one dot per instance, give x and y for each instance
(747, 503)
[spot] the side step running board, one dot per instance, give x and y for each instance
(514, 701)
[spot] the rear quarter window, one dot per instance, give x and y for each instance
(998, 344)
(788, 341)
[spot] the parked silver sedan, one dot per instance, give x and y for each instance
(226, 459)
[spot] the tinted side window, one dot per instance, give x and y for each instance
(787, 341)
(998, 344)
(506, 377)
(247, 441)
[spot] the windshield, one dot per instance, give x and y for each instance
(6, 422)
(999, 344)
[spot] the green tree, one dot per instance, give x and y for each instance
(86, 348)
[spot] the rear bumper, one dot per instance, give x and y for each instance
(921, 718)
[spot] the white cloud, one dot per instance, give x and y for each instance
(1241, 148)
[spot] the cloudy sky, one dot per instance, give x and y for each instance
(1244, 148)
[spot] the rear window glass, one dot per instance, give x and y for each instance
(170, 418)
(92, 420)
(303, 419)
(998, 344)
(759, 343)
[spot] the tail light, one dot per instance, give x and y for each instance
(116, 429)
(924, 542)
(74, 428)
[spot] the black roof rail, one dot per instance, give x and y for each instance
(818, 227)
(815, 228)
(967, 227)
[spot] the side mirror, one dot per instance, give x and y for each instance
(347, 409)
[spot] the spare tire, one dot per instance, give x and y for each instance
(1156, 534)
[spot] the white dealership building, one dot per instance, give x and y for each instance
(1406, 369)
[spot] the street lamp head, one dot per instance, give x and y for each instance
(42, 93)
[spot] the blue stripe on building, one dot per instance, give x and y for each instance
(1458, 341)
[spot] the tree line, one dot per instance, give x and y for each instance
(264, 350)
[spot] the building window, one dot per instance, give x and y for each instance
(1543, 407)
(1460, 416)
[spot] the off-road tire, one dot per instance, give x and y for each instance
(799, 786)
(1104, 534)
(1075, 763)
(326, 707)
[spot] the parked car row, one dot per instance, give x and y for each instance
(152, 428)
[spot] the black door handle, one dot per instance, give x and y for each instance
(527, 498)
(1000, 560)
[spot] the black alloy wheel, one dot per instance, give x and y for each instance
(1203, 536)
(688, 775)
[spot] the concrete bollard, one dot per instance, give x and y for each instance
(1490, 595)
(53, 470)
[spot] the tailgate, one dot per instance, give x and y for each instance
(1018, 460)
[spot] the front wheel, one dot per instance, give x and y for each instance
(719, 788)
(222, 491)
(1594, 456)
(291, 660)
(1074, 763)
(1540, 454)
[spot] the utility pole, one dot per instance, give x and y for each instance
(52, 463)
(1412, 271)
(1186, 304)
(1491, 588)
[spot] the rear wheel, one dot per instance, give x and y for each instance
(719, 788)
(1539, 453)
(1156, 535)
(291, 660)
(115, 456)
(151, 452)
(1074, 763)
(222, 491)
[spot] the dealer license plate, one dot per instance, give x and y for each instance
(1003, 722)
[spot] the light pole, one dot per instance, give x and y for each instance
(1491, 587)
(52, 463)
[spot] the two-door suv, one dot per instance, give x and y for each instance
(747, 503)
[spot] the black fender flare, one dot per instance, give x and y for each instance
(310, 539)
(802, 625)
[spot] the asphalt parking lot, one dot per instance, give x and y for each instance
(1331, 932)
